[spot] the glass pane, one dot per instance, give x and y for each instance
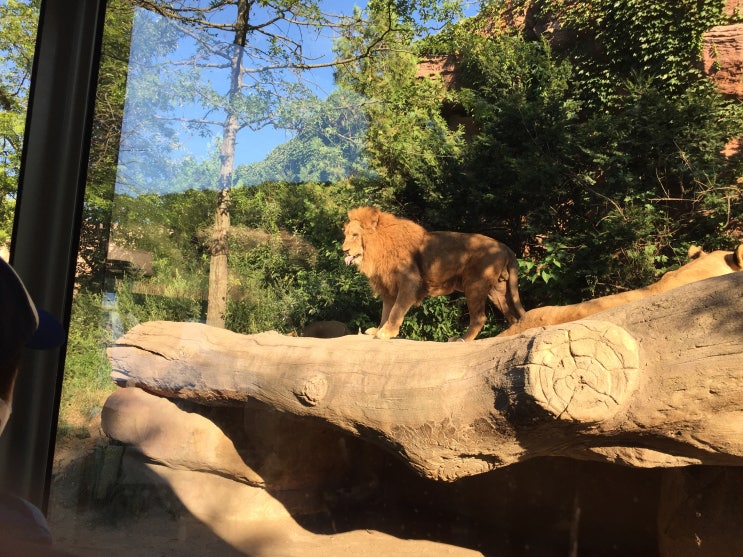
(194, 165)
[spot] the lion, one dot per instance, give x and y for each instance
(405, 263)
(701, 266)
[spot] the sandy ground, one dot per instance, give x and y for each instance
(150, 523)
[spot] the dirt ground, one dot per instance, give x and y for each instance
(539, 508)
(87, 527)
(149, 522)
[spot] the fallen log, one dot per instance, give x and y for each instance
(656, 382)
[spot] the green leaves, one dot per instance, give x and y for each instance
(661, 39)
(439, 319)
(18, 22)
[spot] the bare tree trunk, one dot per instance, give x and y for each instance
(218, 271)
(656, 382)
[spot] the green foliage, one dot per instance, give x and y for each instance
(439, 319)
(105, 143)
(86, 342)
(166, 303)
(87, 378)
(166, 226)
(600, 165)
(327, 146)
(285, 260)
(409, 144)
(518, 95)
(614, 40)
(288, 264)
(18, 21)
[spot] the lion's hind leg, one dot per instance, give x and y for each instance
(476, 300)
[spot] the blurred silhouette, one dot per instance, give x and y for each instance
(24, 531)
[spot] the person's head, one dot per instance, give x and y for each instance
(22, 326)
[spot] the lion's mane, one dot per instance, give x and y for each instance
(390, 245)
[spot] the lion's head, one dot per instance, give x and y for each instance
(701, 265)
(353, 242)
(361, 221)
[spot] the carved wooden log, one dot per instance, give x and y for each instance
(657, 382)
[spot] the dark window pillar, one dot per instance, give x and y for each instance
(47, 222)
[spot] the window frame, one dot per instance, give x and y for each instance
(47, 221)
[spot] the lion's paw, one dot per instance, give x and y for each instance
(385, 333)
(371, 331)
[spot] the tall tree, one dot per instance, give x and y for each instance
(263, 47)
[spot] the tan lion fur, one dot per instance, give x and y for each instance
(702, 266)
(405, 263)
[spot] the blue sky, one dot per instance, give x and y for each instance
(140, 158)
(252, 146)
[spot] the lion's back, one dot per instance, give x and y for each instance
(447, 254)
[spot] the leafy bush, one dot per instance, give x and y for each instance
(136, 308)
(287, 264)
(439, 318)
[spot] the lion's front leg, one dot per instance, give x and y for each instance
(387, 303)
(392, 316)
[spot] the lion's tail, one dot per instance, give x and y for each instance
(505, 293)
(513, 288)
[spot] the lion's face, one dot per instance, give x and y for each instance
(353, 245)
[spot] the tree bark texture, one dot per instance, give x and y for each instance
(218, 273)
(652, 383)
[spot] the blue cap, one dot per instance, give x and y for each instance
(21, 322)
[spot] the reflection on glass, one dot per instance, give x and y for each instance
(219, 176)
